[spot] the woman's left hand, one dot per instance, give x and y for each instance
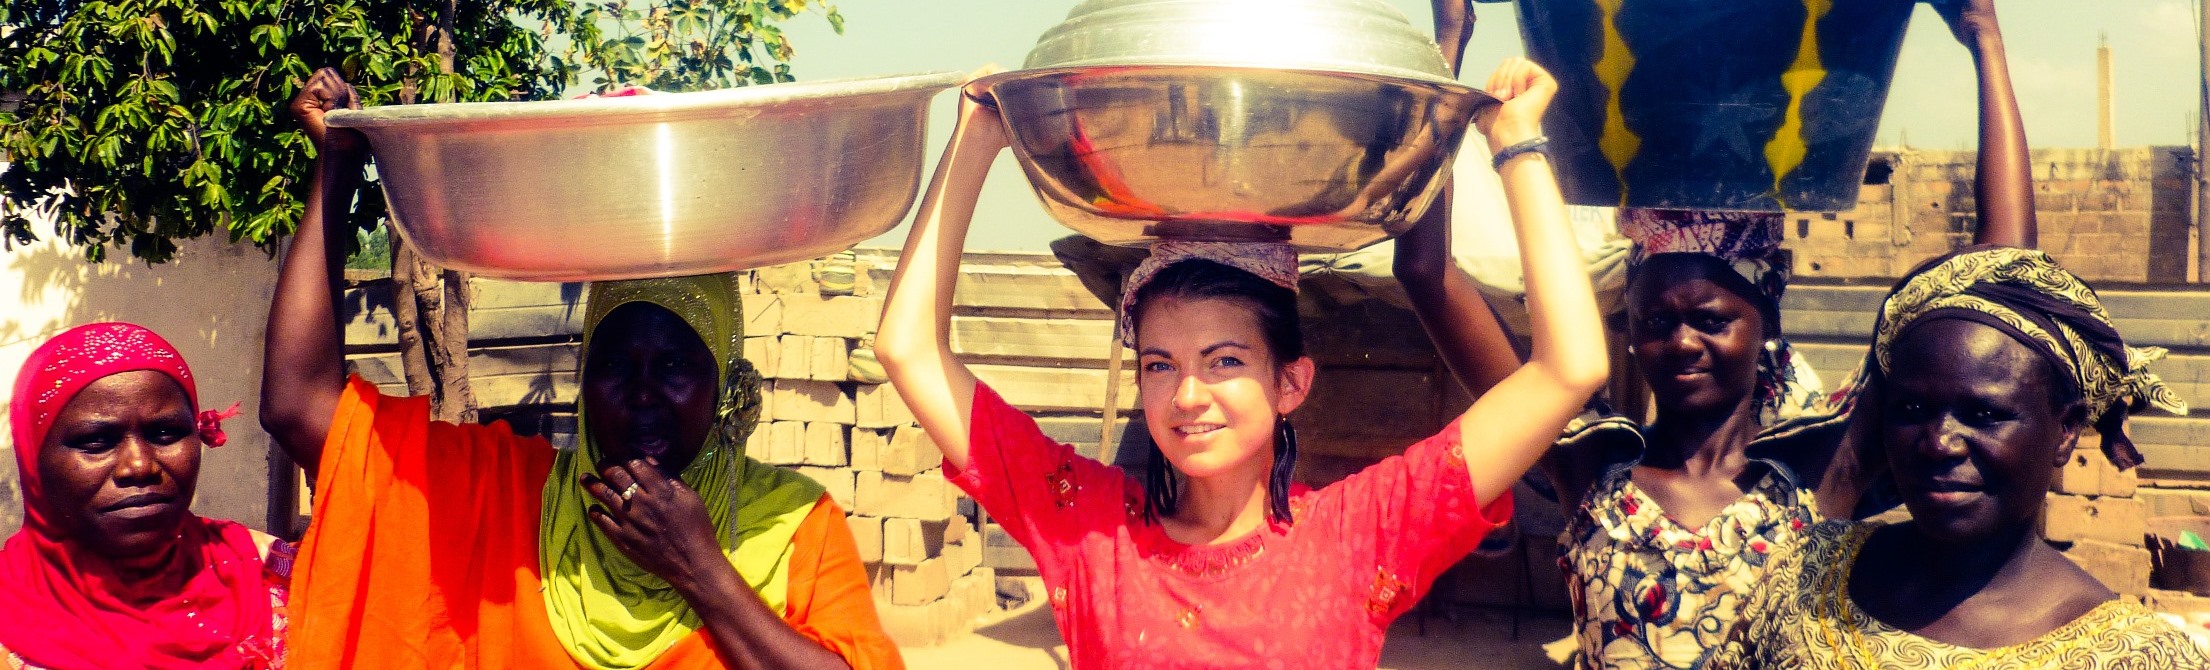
(1525, 89)
(659, 523)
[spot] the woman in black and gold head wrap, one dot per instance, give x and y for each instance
(1986, 366)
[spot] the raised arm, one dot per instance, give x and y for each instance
(1466, 333)
(2004, 185)
(914, 342)
(303, 368)
(1507, 430)
(1453, 27)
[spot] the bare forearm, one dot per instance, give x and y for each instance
(1465, 332)
(1453, 26)
(747, 634)
(914, 342)
(2004, 185)
(917, 313)
(1507, 431)
(303, 369)
(1567, 330)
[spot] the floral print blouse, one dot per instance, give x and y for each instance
(1648, 592)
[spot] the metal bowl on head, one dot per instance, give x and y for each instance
(656, 185)
(1327, 124)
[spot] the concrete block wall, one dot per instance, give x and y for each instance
(857, 438)
(2095, 517)
(2112, 216)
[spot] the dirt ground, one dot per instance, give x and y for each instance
(1026, 639)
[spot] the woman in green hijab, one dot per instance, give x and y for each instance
(656, 543)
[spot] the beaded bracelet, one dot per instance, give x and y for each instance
(1521, 149)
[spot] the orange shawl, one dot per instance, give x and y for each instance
(425, 556)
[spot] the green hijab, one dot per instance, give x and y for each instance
(611, 614)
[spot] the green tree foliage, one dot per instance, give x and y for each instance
(142, 122)
(688, 46)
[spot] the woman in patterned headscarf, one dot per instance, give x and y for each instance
(1986, 366)
(655, 543)
(1670, 521)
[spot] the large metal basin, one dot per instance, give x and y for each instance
(652, 186)
(1326, 161)
(1323, 123)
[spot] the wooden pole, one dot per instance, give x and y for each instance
(2202, 139)
(1108, 449)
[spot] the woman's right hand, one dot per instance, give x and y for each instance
(326, 91)
(1972, 21)
(981, 126)
(1525, 89)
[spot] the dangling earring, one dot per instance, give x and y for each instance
(1775, 371)
(1285, 464)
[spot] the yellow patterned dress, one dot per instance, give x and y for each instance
(1802, 617)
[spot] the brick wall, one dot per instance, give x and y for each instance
(826, 420)
(2111, 216)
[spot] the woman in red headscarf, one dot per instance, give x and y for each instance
(112, 569)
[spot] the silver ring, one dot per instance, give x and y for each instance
(631, 491)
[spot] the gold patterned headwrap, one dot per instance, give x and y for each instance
(2025, 293)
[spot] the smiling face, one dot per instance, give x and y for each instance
(1696, 340)
(650, 387)
(119, 465)
(1210, 387)
(1973, 429)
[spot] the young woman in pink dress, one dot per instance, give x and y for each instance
(1215, 559)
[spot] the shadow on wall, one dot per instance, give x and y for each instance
(211, 301)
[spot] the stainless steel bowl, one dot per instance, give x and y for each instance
(1351, 36)
(1327, 124)
(1325, 161)
(656, 185)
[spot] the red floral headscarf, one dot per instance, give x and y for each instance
(62, 606)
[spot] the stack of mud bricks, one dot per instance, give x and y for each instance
(829, 420)
(2109, 215)
(2094, 516)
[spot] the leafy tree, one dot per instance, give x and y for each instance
(689, 46)
(141, 122)
(136, 123)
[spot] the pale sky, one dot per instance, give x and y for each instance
(2051, 45)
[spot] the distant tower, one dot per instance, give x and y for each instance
(2105, 104)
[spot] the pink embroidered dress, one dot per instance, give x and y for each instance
(1316, 592)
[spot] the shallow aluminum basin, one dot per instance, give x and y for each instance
(1326, 161)
(656, 185)
(1325, 123)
